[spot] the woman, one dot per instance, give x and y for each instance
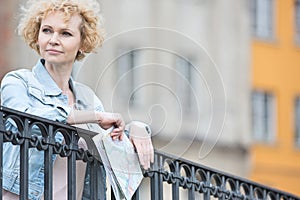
(61, 32)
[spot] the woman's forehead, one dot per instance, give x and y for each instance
(59, 18)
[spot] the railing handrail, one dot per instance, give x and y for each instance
(179, 172)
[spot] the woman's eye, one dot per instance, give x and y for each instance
(65, 33)
(46, 30)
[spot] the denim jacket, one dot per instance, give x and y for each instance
(35, 92)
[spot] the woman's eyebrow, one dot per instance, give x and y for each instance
(46, 25)
(59, 28)
(66, 29)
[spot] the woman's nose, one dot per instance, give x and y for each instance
(54, 39)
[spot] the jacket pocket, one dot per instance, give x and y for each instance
(38, 94)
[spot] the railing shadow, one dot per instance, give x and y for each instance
(180, 174)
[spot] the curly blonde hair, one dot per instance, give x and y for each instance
(91, 29)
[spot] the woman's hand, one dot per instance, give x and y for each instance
(107, 120)
(141, 140)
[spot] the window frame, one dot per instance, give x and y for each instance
(128, 60)
(263, 19)
(297, 21)
(297, 119)
(264, 116)
(184, 68)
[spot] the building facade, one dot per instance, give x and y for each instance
(184, 68)
(275, 96)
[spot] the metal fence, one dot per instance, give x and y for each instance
(186, 179)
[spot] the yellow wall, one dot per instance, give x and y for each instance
(276, 68)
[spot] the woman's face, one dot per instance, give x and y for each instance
(59, 41)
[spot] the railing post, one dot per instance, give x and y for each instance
(207, 184)
(72, 169)
(48, 172)
(157, 179)
(24, 162)
(93, 179)
(154, 187)
(191, 194)
(175, 186)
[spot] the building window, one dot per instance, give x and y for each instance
(127, 77)
(297, 122)
(297, 21)
(263, 116)
(184, 84)
(263, 18)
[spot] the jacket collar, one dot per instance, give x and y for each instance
(44, 78)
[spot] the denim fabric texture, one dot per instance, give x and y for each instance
(35, 92)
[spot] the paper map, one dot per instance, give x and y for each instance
(121, 164)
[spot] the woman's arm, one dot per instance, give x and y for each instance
(104, 119)
(17, 94)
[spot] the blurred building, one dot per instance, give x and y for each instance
(275, 97)
(184, 68)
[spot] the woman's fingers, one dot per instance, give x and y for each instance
(141, 139)
(107, 120)
(144, 150)
(117, 133)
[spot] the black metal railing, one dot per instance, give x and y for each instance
(185, 179)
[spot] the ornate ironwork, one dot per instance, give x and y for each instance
(208, 182)
(182, 175)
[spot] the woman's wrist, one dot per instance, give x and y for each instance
(99, 117)
(140, 125)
